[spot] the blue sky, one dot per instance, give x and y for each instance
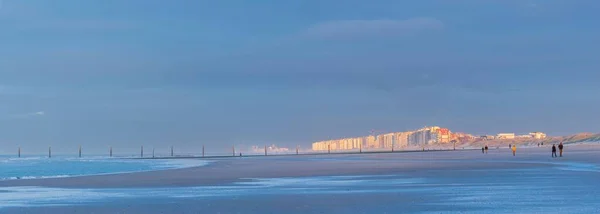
(221, 73)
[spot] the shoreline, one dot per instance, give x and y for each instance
(209, 160)
(300, 154)
(417, 182)
(166, 164)
(342, 152)
(230, 170)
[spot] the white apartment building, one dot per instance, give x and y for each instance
(506, 136)
(538, 135)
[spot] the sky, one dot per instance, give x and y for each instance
(188, 73)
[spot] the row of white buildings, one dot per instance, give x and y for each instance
(418, 138)
(424, 136)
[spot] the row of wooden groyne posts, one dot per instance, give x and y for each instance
(235, 155)
(153, 155)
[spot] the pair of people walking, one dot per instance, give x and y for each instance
(484, 149)
(560, 148)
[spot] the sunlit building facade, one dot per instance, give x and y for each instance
(421, 137)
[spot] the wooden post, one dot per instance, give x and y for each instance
(233, 150)
(296, 150)
(142, 152)
(79, 151)
(19, 152)
(152, 152)
(49, 152)
(329, 149)
(265, 150)
(202, 150)
(110, 151)
(171, 151)
(360, 148)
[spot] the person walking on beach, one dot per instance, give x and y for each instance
(560, 148)
(486, 149)
(482, 151)
(553, 150)
(514, 150)
(509, 146)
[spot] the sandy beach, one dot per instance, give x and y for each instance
(228, 170)
(419, 182)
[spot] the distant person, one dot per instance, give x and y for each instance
(514, 150)
(553, 150)
(560, 148)
(486, 149)
(240, 154)
(509, 146)
(482, 150)
(538, 144)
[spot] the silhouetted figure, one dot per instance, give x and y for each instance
(240, 154)
(486, 149)
(538, 144)
(553, 150)
(560, 148)
(482, 150)
(509, 146)
(514, 150)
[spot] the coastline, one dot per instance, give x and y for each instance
(417, 182)
(339, 152)
(229, 170)
(85, 163)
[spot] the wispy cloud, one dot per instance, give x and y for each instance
(28, 115)
(371, 28)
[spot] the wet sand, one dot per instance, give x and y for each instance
(224, 171)
(426, 182)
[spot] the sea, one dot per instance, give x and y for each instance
(38, 167)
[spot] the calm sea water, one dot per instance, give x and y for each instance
(31, 167)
